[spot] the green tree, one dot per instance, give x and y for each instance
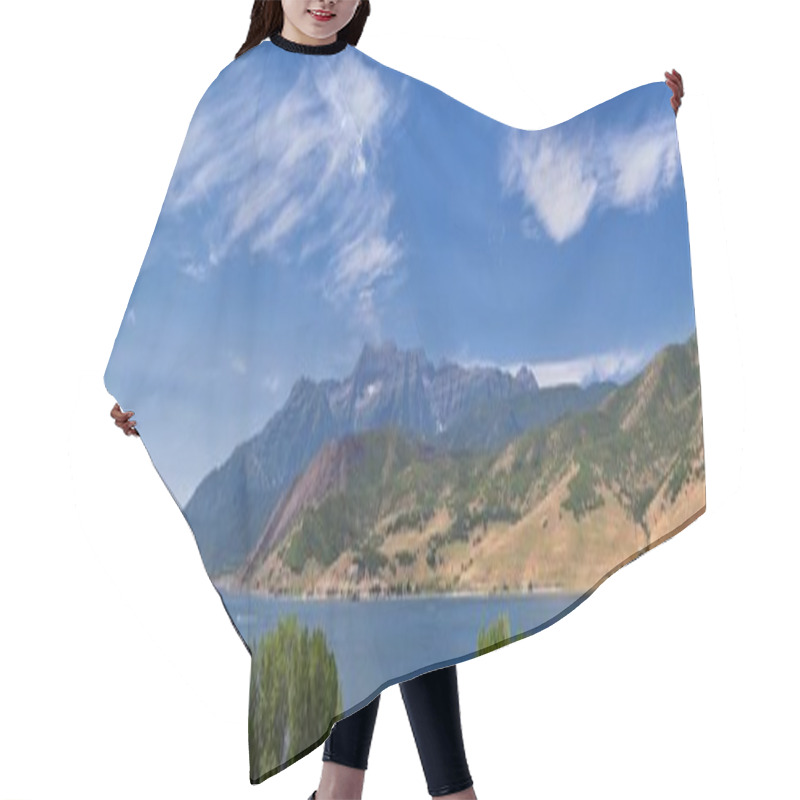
(294, 694)
(496, 635)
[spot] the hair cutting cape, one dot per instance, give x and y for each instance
(419, 381)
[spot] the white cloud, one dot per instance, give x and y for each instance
(563, 176)
(272, 383)
(195, 270)
(315, 144)
(642, 163)
(238, 364)
(616, 365)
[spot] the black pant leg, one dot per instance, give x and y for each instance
(433, 710)
(350, 738)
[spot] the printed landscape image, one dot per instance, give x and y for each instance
(406, 477)
(418, 381)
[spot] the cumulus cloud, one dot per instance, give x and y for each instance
(564, 173)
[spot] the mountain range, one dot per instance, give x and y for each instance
(550, 495)
(448, 406)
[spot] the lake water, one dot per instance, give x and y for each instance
(381, 641)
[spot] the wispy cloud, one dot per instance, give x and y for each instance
(314, 146)
(196, 270)
(616, 365)
(217, 149)
(273, 383)
(563, 176)
(238, 364)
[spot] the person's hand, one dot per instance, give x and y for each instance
(675, 82)
(122, 419)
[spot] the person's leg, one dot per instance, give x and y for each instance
(346, 754)
(434, 713)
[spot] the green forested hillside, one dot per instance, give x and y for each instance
(405, 510)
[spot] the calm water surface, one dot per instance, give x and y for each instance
(379, 642)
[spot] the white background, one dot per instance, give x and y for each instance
(121, 675)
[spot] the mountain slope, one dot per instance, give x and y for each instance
(558, 505)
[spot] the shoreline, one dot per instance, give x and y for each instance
(373, 597)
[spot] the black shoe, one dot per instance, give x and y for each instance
(313, 795)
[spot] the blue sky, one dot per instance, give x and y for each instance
(321, 202)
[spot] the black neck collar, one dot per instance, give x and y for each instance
(311, 49)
